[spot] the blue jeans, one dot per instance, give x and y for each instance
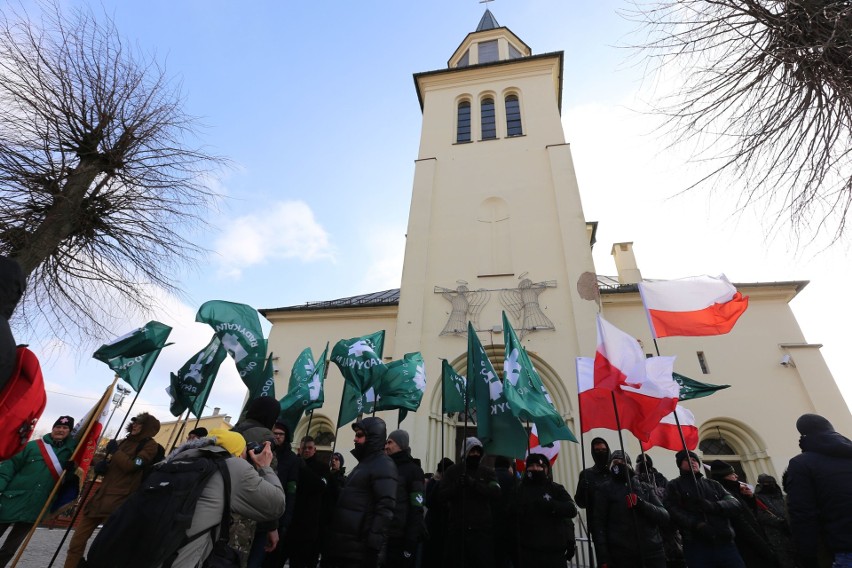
(705, 555)
(842, 560)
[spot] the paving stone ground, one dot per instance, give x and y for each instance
(42, 546)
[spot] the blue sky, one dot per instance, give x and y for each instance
(315, 106)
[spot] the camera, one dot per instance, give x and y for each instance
(255, 447)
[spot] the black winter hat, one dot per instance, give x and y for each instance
(719, 469)
(682, 455)
(64, 421)
(646, 459)
(619, 455)
(201, 432)
(444, 465)
(539, 459)
(263, 409)
(809, 424)
(339, 457)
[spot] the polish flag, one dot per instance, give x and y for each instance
(666, 436)
(619, 359)
(701, 305)
(551, 451)
(641, 405)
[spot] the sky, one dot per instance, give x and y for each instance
(314, 105)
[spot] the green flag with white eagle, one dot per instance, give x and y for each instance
(403, 384)
(238, 327)
(526, 393)
(305, 390)
(360, 362)
(496, 427)
(132, 356)
(454, 386)
(690, 388)
(190, 386)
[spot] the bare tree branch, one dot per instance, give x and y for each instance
(764, 95)
(98, 180)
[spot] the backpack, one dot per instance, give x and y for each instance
(159, 456)
(22, 400)
(150, 527)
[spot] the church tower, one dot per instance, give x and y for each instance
(496, 223)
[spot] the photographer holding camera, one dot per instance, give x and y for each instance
(251, 539)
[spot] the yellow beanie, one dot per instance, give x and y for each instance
(231, 441)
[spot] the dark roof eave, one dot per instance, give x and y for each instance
(559, 54)
(798, 285)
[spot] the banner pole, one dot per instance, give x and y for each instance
(629, 481)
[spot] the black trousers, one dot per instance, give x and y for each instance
(13, 541)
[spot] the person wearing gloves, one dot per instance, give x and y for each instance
(470, 488)
(27, 479)
(702, 509)
(366, 504)
(256, 491)
(540, 511)
(406, 527)
(125, 464)
(627, 519)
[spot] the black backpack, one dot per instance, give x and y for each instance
(149, 528)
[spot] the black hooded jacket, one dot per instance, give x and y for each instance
(818, 483)
(407, 523)
(590, 478)
(366, 503)
(470, 494)
(692, 505)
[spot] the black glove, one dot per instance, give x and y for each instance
(101, 467)
(69, 466)
(112, 447)
(409, 555)
(705, 532)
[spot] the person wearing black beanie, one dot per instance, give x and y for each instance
(818, 483)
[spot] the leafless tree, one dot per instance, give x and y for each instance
(100, 174)
(763, 92)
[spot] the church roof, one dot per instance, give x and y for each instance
(383, 298)
(488, 22)
(606, 284)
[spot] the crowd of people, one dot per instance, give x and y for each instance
(294, 507)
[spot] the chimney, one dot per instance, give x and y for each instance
(625, 263)
(216, 411)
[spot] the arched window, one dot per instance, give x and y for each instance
(734, 442)
(513, 116)
(489, 124)
(463, 122)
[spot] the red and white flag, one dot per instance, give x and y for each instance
(88, 431)
(666, 435)
(619, 359)
(641, 404)
(696, 306)
(535, 447)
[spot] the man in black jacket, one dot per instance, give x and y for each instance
(288, 473)
(366, 504)
(701, 509)
(540, 513)
(470, 488)
(591, 478)
(627, 517)
(406, 527)
(818, 483)
(305, 532)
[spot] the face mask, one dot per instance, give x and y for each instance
(537, 476)
(618, 471)
(600, 457)
(472, 462)
(731, 485)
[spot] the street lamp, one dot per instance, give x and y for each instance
(121, 393)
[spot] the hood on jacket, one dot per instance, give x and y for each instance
(471, 443)
(600, 463)
(377, 434)
(264, 410)
(831, 444)
(150, 425)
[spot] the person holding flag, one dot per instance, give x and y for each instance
(27, 479)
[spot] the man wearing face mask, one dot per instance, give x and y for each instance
(470, 488)
(627, 517)
(591, 478)
(541, 510)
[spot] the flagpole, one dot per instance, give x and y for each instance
(179, 431)
(96, 413)
(308, 433)
(583, 463)
(629, 481)
(443, 414)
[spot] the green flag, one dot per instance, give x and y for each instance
(403, 384)
(305, 390)
(526, 394)
(360, 362)
(690, 388)
(454, 386)
(191, 385)
(500, 431)
(132, 356)
(238, 326)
